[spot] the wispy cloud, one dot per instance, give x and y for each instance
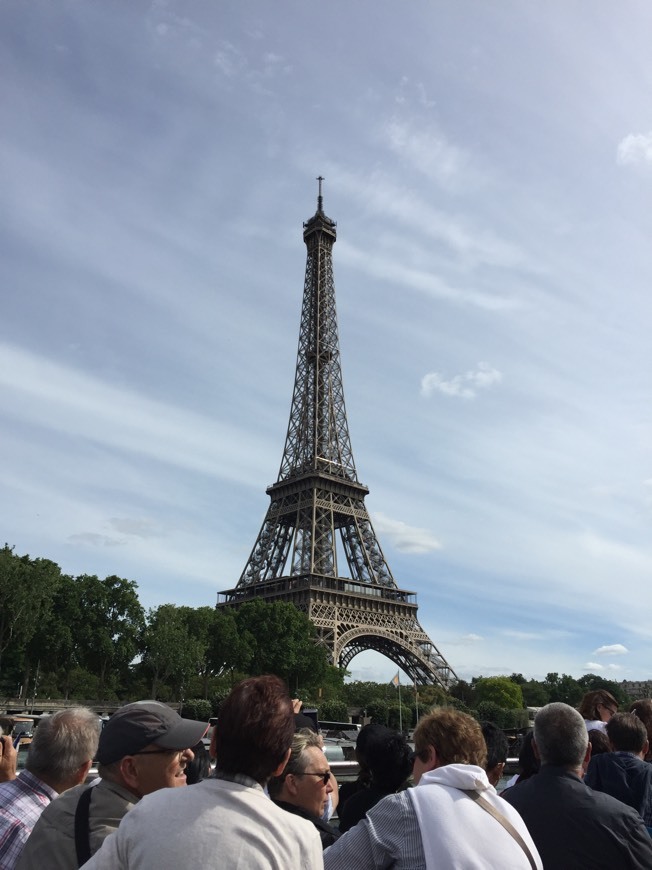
(409, 539)
(635, 149)
(428, 151)
(592, 666)
(58, 398)
(464, 386)
(94, 539)
(613, 649)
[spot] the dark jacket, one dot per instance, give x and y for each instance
(357, 806)
(625, 777)
(326, 832)
(575, 828)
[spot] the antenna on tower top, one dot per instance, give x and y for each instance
(320, 198)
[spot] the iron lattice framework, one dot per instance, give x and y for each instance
(317, 511)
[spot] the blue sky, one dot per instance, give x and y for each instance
(490, 170)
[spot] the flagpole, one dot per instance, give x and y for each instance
(400, 709)
(416, 701)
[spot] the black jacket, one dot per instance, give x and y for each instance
(326, 832)
(623, 776)
(575, 828)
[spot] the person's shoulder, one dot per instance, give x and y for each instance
(611, 806)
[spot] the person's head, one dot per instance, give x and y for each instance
(145, 746)
(63, 747)
(255, 728)
(497, 748)
(560, 736)
(528, 763)
(599, 706)
(305, 780)
(643, 709)
(447, 736)
(627, 733)
(389, 760)
(599, 742)
(366, 735)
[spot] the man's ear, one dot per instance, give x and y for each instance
(82, 772)
(432, 761)
(129, 773)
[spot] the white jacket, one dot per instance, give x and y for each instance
(457, 832)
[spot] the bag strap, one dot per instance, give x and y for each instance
(82, 828)
(509, 827)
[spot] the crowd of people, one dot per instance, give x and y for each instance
(269, 800)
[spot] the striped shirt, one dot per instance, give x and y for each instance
(388, 837)
(22, 800)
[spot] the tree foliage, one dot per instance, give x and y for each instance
(501, 691)
(282, 642)
(89, 638)
(27, 587)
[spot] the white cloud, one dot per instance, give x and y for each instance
(636, 148)
(57, 398)
(408, 539)
(614, 649)
(464, 386)
(593, 666)
(472, 638)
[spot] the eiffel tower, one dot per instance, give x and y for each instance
(317, 518)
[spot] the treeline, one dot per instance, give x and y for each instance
(87, 638)
(90, 639)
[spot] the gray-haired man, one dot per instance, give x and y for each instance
(60, 756)
(144, 747)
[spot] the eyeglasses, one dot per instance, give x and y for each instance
(325, 777)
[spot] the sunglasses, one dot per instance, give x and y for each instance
(325, 777)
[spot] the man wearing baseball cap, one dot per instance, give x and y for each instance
(144, 747)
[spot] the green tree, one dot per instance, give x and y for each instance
(490, 711)
(378, 711)
(334, 711)
(26, 590)
(431, 696)
(282, 642)
(465, 692)
(535, 694)
(170, 653)
(563, 688)
(500, 690)
(111, 631)
(197, 708)
(228, 649)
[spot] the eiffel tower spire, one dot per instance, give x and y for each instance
(317, 519)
